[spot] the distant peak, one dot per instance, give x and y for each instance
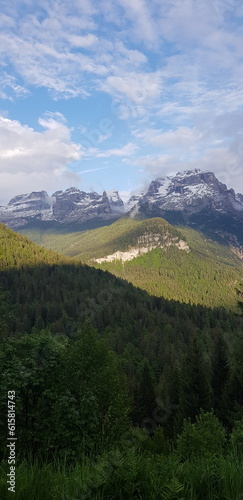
(34, 195)
(185, 173)
(187, 176)
(72, 190)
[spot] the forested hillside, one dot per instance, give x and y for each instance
(118, 394)
(207, 274)
(18, 251)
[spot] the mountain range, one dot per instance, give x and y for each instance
(191, 198)
(65, 207)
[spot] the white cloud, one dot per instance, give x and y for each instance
(48, 48)
(214, 143)
(135, 57)
(125, 151)
(138, 87)
(7, 21)
(125, 195)
(59, 46)
(189, 20)
(92, 170)
(9, 88)
(83, 41)
(183, 138)
(226, 165)
(143, 25)
(31, 160)
(85, 6)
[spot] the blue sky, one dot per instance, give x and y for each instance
(110, 94)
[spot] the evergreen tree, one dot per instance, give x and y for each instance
(172, 402)
(144, 398)
(235, 387)
(195, 389)
(220, 376)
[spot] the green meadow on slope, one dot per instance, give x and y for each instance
(208, 274)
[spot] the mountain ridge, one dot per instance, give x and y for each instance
(72, 205)
(191, 198)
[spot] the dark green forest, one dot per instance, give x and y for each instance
(118, 394)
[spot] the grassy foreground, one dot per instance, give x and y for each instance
(130, 475)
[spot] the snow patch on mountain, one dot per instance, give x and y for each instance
(165, 184)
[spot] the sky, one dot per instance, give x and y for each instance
(110, 94)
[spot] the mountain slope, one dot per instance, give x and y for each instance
(17, 250)
(118, 236)
(177, 263)
(206, 274)
(194, 277)
(38, 291)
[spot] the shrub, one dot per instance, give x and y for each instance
(206, 436)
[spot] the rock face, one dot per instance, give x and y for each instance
(77, 206)
(197, 199)
(145, 244)
(65, 207)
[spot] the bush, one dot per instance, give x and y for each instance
(236, 438)
(205, 437)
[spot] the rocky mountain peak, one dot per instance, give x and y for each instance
(191, 190)
(71, 205)
(36, 197)
(193, 198)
